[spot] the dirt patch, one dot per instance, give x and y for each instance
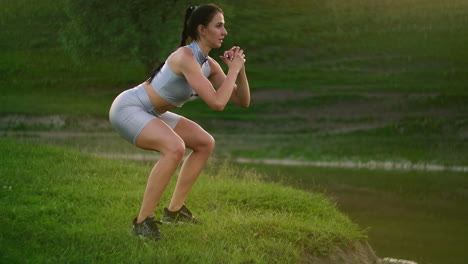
(354, 253)
(320, 112)
(17, 122)
(286, 111)
(274, 96)
(24, 121)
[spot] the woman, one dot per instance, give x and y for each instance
(141, 115)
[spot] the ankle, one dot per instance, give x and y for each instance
(174, 209)
(140, 219)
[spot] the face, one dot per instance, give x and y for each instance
(215, 32)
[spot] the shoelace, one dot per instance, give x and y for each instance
(186, 212)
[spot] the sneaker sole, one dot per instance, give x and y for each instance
(173, 223)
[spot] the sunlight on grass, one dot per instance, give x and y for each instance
(65, 206)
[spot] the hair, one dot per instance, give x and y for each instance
(194, 16)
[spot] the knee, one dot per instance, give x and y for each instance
(211, 143)
(176, 151)
(207, 144)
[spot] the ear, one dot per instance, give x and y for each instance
(201, 30)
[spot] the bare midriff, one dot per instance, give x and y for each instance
(158, 102)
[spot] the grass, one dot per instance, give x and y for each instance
(340, 47)
(315, 58)
(359, 43)
(63, 206)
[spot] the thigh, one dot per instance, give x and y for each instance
(171, 119)
(157, 135)
(128, 116)
(193, 134)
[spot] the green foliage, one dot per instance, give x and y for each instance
(141, 29)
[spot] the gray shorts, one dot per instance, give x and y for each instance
(132, 110)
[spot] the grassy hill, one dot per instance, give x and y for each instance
(62, 206)
(409, 46)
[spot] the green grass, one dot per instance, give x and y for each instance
(62, 206)
(358, 43)
(333, 46)
(326, 57)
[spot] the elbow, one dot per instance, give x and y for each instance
(218, 107)
(245, 105)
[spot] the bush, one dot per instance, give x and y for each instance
(135, 29)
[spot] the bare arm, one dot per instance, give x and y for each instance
(216, 99)
(241, 95)
(241, 92)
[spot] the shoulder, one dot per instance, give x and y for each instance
(181, 54)
(181, 59)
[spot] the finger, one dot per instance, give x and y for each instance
(230, 55)
(227, 54)
(224, 59)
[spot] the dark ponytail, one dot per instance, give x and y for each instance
(194, 16)
(188, 13)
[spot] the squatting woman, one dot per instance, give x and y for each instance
(142, 114)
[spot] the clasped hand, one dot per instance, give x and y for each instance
(234, 57)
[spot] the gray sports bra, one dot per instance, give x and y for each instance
(174, 88)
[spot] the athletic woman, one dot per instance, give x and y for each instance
(141, 115)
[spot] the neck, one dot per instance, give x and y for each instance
(204, 47)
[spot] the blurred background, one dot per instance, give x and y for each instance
(363, 100)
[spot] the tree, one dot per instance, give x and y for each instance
(146, 30)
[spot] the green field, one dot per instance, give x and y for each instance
(333, 81)
(359, 81)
